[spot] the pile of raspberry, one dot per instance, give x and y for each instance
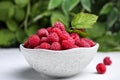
(56, 38)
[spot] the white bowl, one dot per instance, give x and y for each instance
(59, 63)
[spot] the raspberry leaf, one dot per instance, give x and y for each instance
(83, 20)
(86, 5)
(22, 3)
(7, 38)
(54, 3)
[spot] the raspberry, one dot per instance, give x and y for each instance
(42, 32)
(34, 40)
(53, 37)
(90, 42)
(64, 35)
(56, 46)
(56, 30)
(26, 44)
(67, 44)
(59, 25)
(44, 39)
(75, 36)
(74, 46)
(101, 68)
(49, 29)
(82, 43)
(43, 45)
(107, 61)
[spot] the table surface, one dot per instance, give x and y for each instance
(14, 67)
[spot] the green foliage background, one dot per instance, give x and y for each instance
(21, 18)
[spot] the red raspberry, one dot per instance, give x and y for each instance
(90, 42)
(56, 46)
(34, 40)
(49, 29)
(53, 37)
(64, 35)
(56, 30)
(101, 68)
(107, 61)
(43, 45)
(44, 39)
(59, 25)
(75, 36)
(26, 44)
(74, 46)
(67, 44)
(42, 32)
(82, 43)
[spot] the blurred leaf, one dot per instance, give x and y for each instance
(83, 20)
(107, 42)
(22, 3)
(7, 37)
(68, 5)
(96, 31)
(106, 8)
(19, 14)
(54, 3)
(117, 36)
(86, 4)
(39, 7)
(112, 17)
(6, 10)
(21, 35)
(32, 30)
(58, 16)
(12, 25)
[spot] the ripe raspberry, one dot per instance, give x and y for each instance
(107, 61)
(43, 39)
(59, 25)
(74, 46)
(56, 30)
(53, 37)
(101, 68)
(75, 36)
(64, 35)
(34, 40)
(67, 44)
(43, 45)
(82, 43)
(42, 32)
(56, 46)
(90, 42)
(49, 29)
(26, 44)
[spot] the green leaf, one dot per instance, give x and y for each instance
(86, 4)
(68, 5)
(58, 16)
(7, 38)
(112, 17)
(106, 8)
(83, 20)
(12, 25)
(32, 30)
(37, 8)
(22, 3)
(21, 35)
(6, 10)
(107, 43)
(54, 3)
(19, 14)
(97, 30)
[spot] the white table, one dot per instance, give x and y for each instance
(14, 67)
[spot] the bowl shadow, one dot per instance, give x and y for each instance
(31, 74)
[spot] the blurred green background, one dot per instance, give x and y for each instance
(21, 18)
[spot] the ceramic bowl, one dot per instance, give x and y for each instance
(59, 63)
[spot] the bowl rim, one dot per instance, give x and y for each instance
(80, 48)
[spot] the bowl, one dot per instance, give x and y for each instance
(63, 63)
